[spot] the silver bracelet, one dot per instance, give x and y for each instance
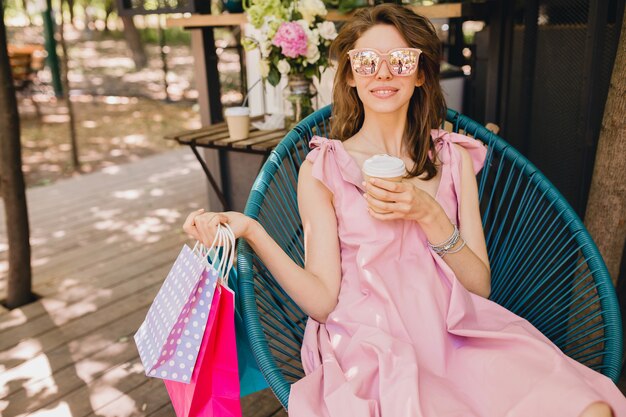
(442, 248)
(456, 250)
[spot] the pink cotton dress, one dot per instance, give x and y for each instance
(406, 339)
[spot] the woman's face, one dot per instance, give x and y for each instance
(384, 92)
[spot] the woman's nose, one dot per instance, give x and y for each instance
(384, 72)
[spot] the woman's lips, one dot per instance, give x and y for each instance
(384, 93)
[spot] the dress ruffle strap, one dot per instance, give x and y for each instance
(476, 149)
(453, 165)
(331, 163)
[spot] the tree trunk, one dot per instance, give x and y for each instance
(108, 9)
(66, 87)
(605, 216)
(12, 183)
(131, 34)
(70, 6)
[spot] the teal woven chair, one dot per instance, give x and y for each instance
(544, 265)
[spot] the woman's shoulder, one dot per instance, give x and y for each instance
(465, 146)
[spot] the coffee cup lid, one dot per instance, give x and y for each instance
(384, 166)
(237, 111)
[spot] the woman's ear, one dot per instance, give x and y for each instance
(421, 79)
(350, 81)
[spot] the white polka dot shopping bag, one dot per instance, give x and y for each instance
(188, 336)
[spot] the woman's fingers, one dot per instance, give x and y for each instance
(206, 224)
(378, 205)
(189, 225)
(384, 216)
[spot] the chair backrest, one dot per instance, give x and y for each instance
(545, 266)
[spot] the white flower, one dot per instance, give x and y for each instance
(311, 8)
(312, 36)
(283, 67)
(264, 67)
(315, 36)
(312, 53)
(266, 48)
(270, 26)
(327, 30)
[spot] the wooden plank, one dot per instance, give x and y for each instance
(217, 129)
(153, 204)
(80, 260)
(256, 136)
(187, 136)
(31, 367)
(276, 134)
(137, 222)
(267, 145)
(180, 165)
(130, 223)
(436, 11)
(89, 372)
(79, 328)
(95, 301)
(60, 294)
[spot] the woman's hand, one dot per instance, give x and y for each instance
(202, 226)
(400, 200)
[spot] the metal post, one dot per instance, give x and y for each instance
(529, 53)
(592, 104)
(51, 48)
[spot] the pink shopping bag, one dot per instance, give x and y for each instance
(214, 387)
(188, 337)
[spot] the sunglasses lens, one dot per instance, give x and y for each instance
(403, 61)
(365, 62)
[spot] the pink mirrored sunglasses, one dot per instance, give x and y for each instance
(401, 62)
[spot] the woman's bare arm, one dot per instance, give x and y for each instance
(470, 264)
(316, 287)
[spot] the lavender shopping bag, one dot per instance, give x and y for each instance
(169, 339)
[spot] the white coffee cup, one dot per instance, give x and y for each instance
(238, 120)
(386, 167)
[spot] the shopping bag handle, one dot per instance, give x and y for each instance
(226, 238)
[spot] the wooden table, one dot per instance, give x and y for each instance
(25, 61)
(259, 142)
(436, 11)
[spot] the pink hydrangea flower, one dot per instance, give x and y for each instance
(291, 38)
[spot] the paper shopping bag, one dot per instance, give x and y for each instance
(169, 339)
(214, 387)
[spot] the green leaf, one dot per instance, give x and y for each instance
(274, 76)
(310, 71)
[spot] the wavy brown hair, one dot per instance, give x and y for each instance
(426, 107)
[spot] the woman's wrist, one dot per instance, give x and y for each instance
(437, 227)
(250, 229)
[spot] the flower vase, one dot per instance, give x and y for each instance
(299, 95)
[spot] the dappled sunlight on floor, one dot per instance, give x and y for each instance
(102, 245)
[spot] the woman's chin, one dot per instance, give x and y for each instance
(388, 106)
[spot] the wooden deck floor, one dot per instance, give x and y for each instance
(102, 245)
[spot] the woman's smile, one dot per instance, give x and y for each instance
(383, 92)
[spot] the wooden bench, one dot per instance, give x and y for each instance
(25, 62)
(216, 136)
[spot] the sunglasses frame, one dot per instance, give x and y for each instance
(384, 57)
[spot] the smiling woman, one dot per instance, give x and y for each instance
(396, 275)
